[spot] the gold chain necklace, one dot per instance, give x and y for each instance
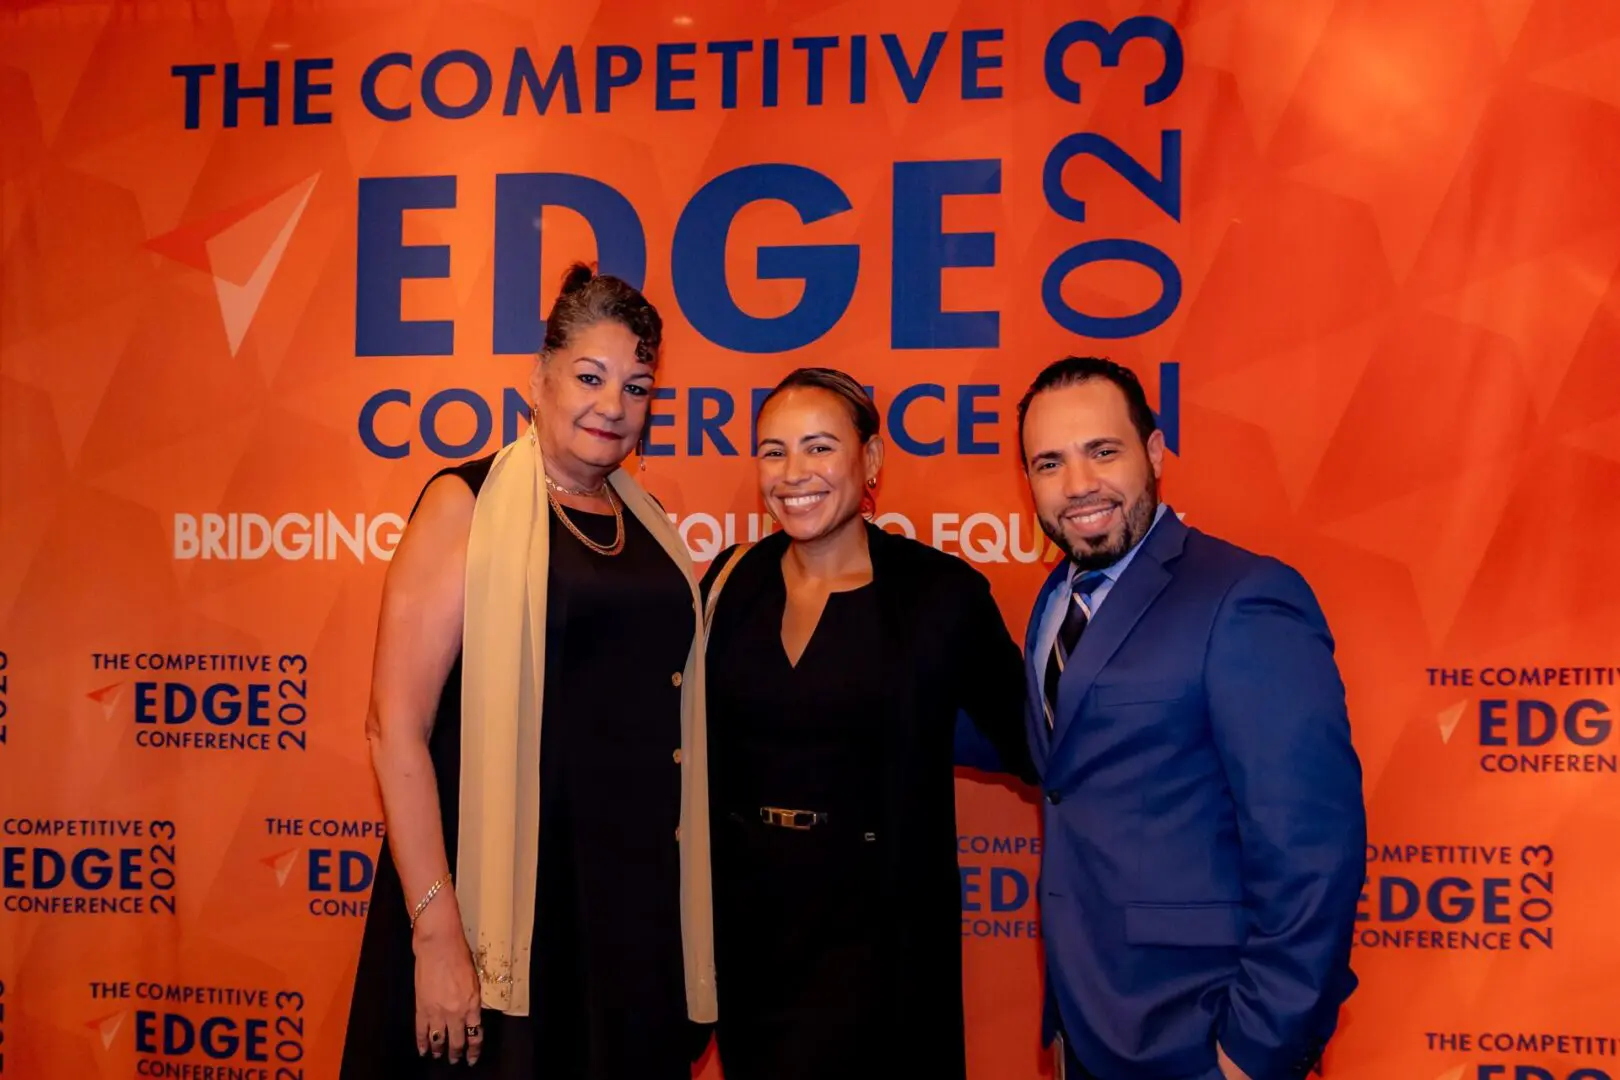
(593, 493)
(618, 522)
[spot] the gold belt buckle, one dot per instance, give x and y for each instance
(788, 819)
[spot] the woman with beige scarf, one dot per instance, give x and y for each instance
(542, 907)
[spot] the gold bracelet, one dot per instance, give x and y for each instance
(421, 905)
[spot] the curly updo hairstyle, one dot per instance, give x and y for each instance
(588, 298)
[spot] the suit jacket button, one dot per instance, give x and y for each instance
(1053, 797)
(675, 679)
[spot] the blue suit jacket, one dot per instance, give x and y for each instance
(1205, 831)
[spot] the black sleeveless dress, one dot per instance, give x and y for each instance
(608, 997)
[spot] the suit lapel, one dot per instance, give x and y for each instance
(1141, 583)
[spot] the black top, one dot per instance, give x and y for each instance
(808, 736)
(608, 998)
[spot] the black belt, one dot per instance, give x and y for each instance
(799, 820)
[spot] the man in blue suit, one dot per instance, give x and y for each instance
(1205, 831)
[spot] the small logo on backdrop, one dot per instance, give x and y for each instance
(220, 702)
(1457, 897)
(1525, 1055)
(177, 1029)
(1532, 719)
(323, 536)
(332, 871)
(88, 866)
(108, 698)
(998, 895)
(240, 248)
(282, 862)
(107, 1027)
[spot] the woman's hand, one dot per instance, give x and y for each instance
(448, 1013)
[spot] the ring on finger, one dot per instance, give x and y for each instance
(474, 1031)
(435, 1036)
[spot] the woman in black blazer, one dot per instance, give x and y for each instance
(839, 656)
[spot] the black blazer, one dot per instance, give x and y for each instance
(953, 654)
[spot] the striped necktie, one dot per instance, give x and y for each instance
(1074, 624)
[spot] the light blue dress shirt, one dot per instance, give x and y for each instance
(1052, 617)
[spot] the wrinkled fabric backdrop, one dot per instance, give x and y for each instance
(267, 266)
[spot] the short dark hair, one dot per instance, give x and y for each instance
(862, 411)
(588, 298)
(1074, 370)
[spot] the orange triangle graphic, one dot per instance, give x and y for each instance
(244, 258)
(189, 243)
(240, 248)
(1590, 73)
(282, 863)
(107, 1027)
(236, 251)
(1447, 719)
(1601, 438)
(107, 697)
(1506, 19)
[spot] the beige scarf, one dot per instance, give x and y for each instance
(502, 688)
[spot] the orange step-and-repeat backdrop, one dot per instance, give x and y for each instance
(266, 266)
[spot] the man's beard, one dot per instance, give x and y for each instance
(1138, 520)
